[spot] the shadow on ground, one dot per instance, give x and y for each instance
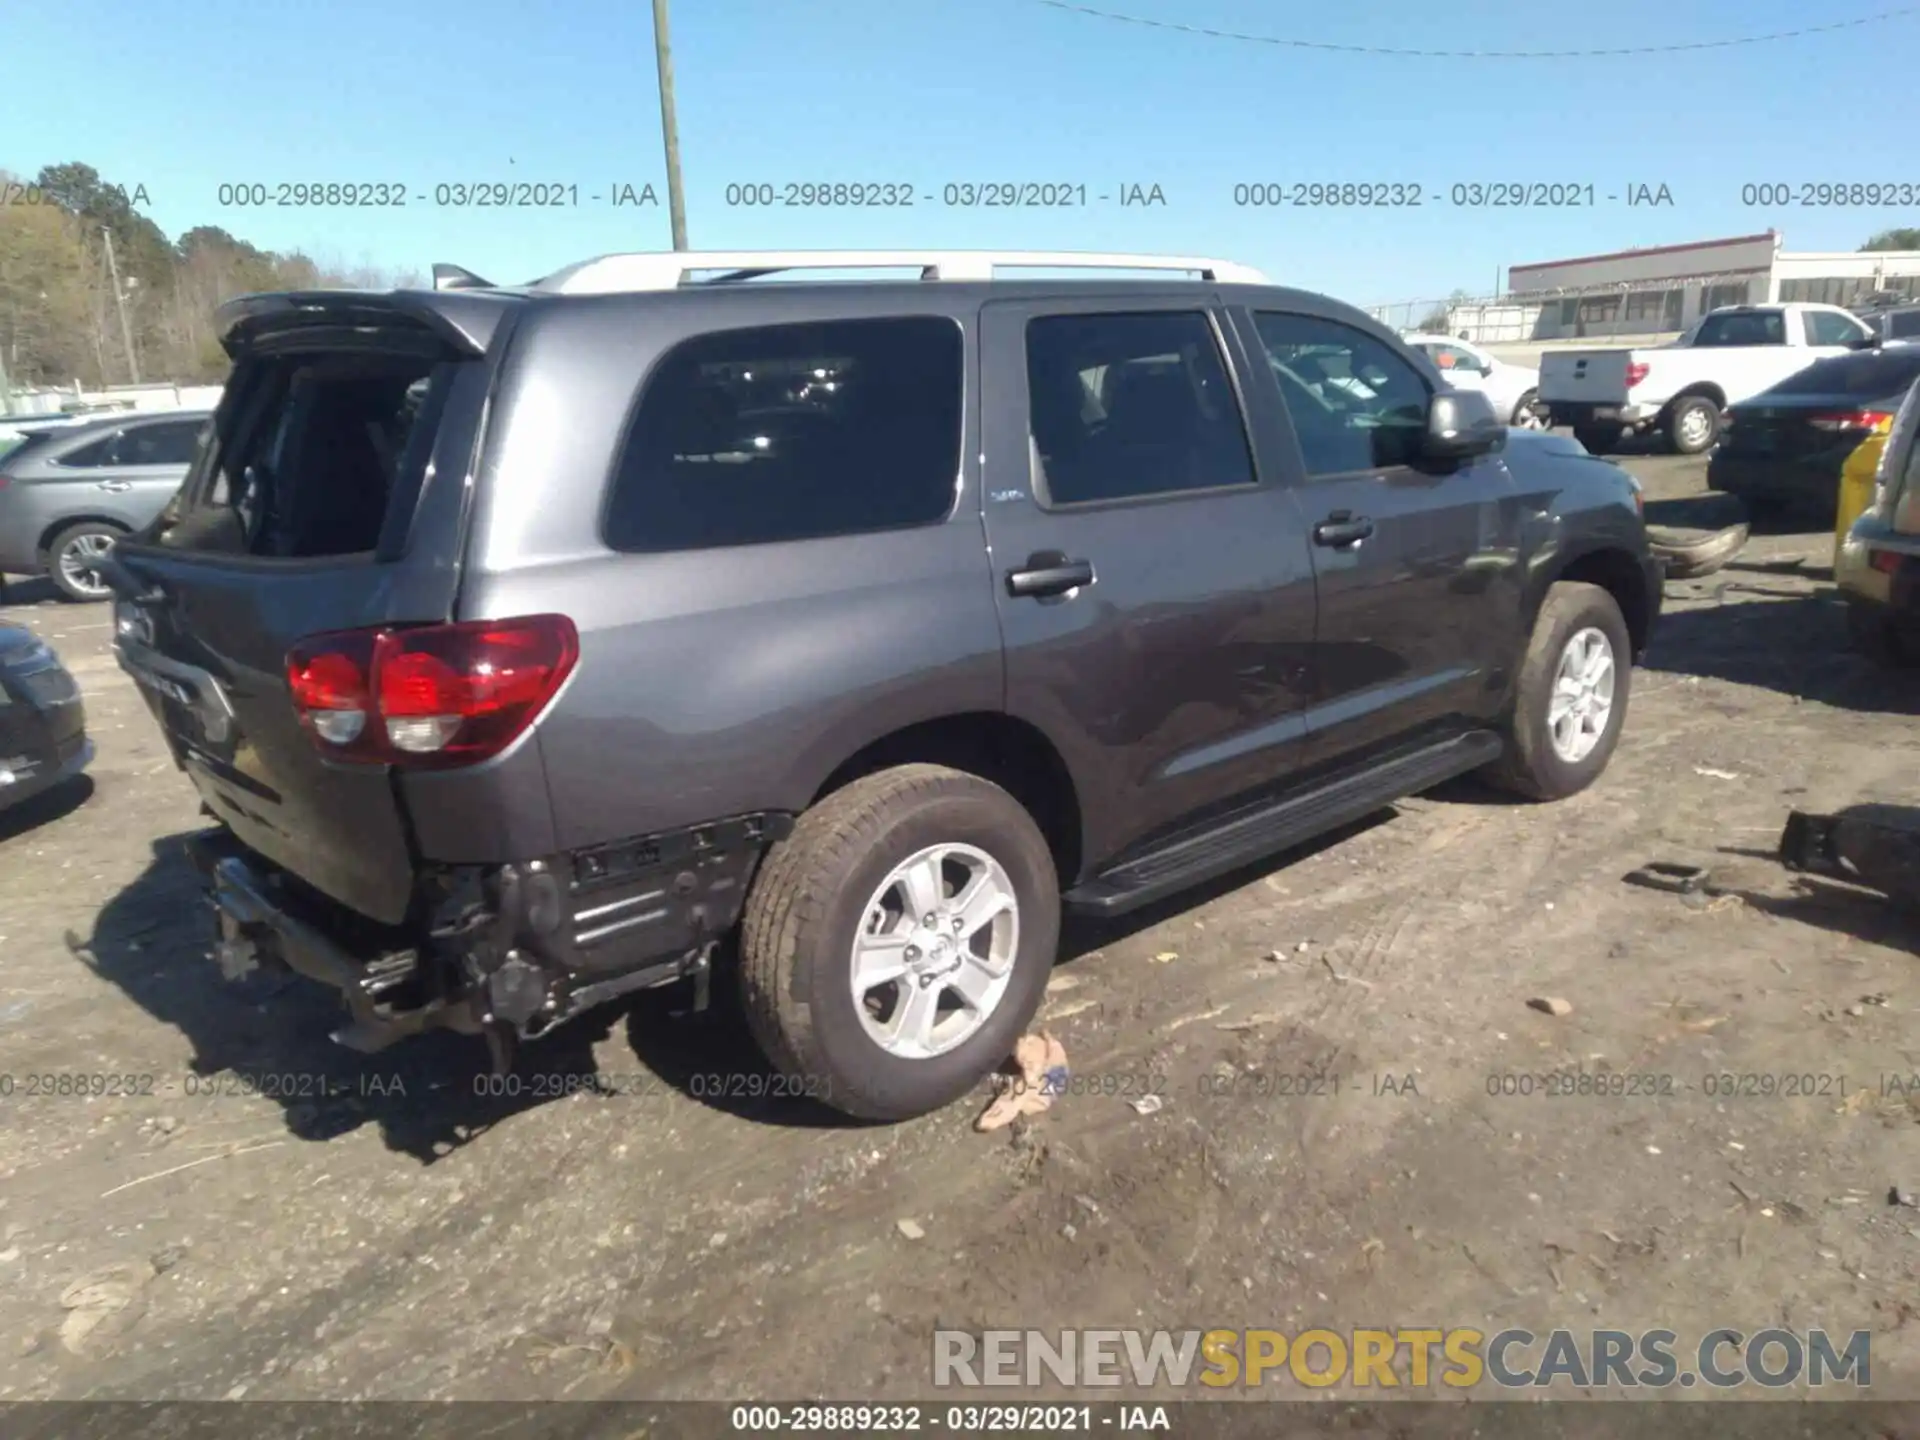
(268, 1035)
(48, 806)
(1789, 642)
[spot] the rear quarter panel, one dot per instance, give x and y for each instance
(714, 682)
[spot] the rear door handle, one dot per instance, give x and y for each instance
(1342, 529)
(1049, 573)
(116, 485)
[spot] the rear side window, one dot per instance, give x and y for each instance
(1742, 327)
(100, 452)
(1903, 326)
(792, 432)
(1127, 406)
(311, 453)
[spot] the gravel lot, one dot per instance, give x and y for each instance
(385, 1231)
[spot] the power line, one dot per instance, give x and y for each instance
(1290, 43)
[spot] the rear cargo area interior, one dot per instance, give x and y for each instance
(308, 462)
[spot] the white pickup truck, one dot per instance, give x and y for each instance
(1729, 355)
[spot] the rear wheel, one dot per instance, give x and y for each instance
(1571, 696)
(1598, 439)
(1530, 414)
(1692, 424)
(898, 942)
(73, 559)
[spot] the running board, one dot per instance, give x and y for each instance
(1191, 859)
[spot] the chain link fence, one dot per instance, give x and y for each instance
(1628, 310)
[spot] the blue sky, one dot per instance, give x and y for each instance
(182, 99)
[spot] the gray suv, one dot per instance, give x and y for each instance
(67, 492)
(531, 646)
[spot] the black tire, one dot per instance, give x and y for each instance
(1598, 439)
(808, 901)
(63, 541)
(1531, 767)
(1875, 637)
(1529, 405)
(1678, 419)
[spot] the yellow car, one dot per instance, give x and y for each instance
(1876, 560)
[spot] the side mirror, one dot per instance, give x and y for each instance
(1461, 424)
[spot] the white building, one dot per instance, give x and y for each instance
(1664, 289)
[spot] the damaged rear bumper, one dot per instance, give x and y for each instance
(505, 951)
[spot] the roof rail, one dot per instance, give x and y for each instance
(670, 270)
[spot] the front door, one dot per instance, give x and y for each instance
(1418, 564)
(1151, 567)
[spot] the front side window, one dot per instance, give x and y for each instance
(1124, 406)
(1827, 328)
(1355, 403)
(793, 432)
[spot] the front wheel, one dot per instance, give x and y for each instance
(1570, 699)
(73, 559)
(898, 942)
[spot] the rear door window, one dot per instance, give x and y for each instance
(792, 432)
(172, 443)
(1742, 327)
(313, 455)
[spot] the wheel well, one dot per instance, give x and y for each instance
(67, 522)
(1619, 574)
(1706, 391)
(1009, 752)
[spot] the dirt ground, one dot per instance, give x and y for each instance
(384, 1231)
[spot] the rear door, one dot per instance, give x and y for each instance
(1417, 564)
(1151, 568)
(327, 498)
(142, 466)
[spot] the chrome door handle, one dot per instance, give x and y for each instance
(116, 485)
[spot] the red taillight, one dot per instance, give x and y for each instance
(1636, 372)
(435, 695)
(1887, 562)
(1851, 420)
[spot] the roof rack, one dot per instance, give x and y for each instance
(671, 270)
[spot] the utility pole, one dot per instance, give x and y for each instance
(669, 126)
(120, 302)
